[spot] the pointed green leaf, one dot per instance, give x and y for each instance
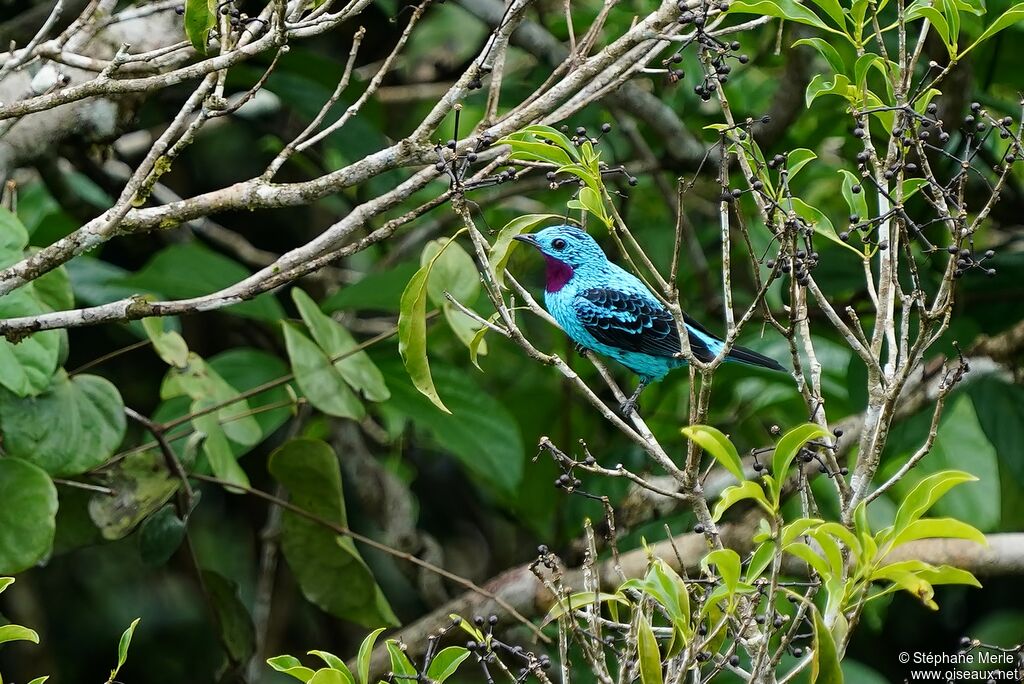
(939, 528)
(825, 666)
(365, 652)
(318, 378)
(798, 159)
(735, 493)
(718, 445)
(290, 665)
(123, 645)
(446, 662)
(787, 449)
(356, 367)
(924, 495)
(200, 18)
(328, 568)
(648, 655)
(17, 633)
(400, 664)
(335, 663)
(169, 345)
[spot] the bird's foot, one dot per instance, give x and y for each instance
(628, 407)
(581, 350)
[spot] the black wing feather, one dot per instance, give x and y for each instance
(634, 323)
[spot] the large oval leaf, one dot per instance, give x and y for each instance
(328, 568)
(73, 427)
(27, 516)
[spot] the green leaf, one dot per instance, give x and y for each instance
(480, 432)
(122, 647)
(759, 561)
(1008, 18)
(858, 204)
(186, 270)
(580, 600)
(290, 665)
(17, 633)
(825, 667)
(412, 331)
(501, 250)
(820, 85)
(200, 18)
(736, 493)
(445, 663)
(718, 445)
(160, 536)
(243, 368)
(842, 534)
(335, 663)
(946, 574)
(365, 653)
(939, 24)
(74, 426)
(356, 368)
(548, 133)
(53, 289)
(825, 49)
(529, 150)
(939, 528)
(821, 223)
(833, 10)
(5, 582)
(13, 236)
(318, 378)
(798, 159)
(924, 495)
(218, 452)
(811, 557)
(27, 516)
(26, 367)
(169, 345)
(783, 9)
(590, 200)
(454, 272)
(797, 528)
(787, 449)
(727, 562)
(648, 655)
(328, 568)
(204, 385)
(327, 675)
(400, 664)
(668, 589)
(233, 621)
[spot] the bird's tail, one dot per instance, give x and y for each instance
(751, 357)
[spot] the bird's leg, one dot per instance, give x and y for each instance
(580, 349)
(629, 405)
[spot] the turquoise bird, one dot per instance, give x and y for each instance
(608, 310)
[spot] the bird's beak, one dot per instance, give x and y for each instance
(528, 239)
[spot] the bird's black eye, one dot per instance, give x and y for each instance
(558, 244)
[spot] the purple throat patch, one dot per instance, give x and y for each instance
(557, 273)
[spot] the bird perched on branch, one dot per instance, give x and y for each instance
(605, 309)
